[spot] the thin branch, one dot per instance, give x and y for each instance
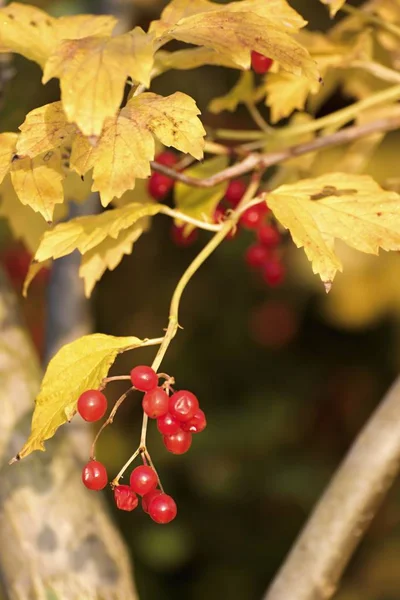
(314, 566)
(255, 160)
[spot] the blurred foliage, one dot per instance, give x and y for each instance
(287, 378)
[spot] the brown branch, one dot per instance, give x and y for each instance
(256, 160)
(318, 558)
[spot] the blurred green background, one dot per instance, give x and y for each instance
(287, 378)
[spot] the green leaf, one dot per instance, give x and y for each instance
(78, 366)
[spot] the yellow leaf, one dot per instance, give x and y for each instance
(287, 92)
(93, 72)
(34, 269)
(139, 194)
(38, 182)
(75, 27)
(334, 5)
(7, 151)
(191, 58)
(242, 92)
(78, 366)
(24, 224)
(201, 203)
(353, 208)
(75, 189)
(44, 128)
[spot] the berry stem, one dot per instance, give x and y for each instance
(114, 378)
(258, 118)
(116, 479)
(148, 457)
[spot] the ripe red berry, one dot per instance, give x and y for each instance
(268, 235)
(155, 403)
(94, 475)
(144, 378)
(180, 239)
(92, 405)
(125, 498)
(183, 405)
(178, 443)
(159, 185)
(167, 158)
(274, 272)
(197, 423)
(253, 216)
(168, 425)
(143, 480)
(147, 499)
(235, 191)
(256, 255)
(260, 63)
(162, 509)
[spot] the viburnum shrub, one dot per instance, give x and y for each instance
(149, 155)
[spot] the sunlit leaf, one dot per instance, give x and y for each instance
(191, 58)
(78, 366)
(334, 5)
(287, 92)
(242, 92)
(7, 150)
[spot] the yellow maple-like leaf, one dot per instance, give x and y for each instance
(353, 208)
(334, 5)
(287, 92)
(75, 27)
(126, 146)
(242, 92)
(7, 150)
(200, 203)
(78, 366)
(93, 72)
(38, 182)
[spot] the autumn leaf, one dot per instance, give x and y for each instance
(353, 208)
(242, 92)
(44, 128)
(334, 5)
(287, 92)
(191, 58)
(38, 182)
(93, 72)
(200, 203)
(78, 366)
(7, 150)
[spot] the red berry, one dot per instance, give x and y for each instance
(163, 509)
(256, 255)
(147, 499)
(235, 191)
(144, 378)
(143, 480)
(219, 214)
(260, 63)
(155, 403)
(253, 216)
(92, 405)
(167, 158)
(159, 185)
(178, 443)
(94, 475)
(125, 498)
(274, 272)
(197, 423)
(183, 405)
(269, 236)
(168, 425)
(181, 239)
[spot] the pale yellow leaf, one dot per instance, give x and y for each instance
(334, 5)
(75, 188)
(287, 92)
(82, 155)
(77, 367)
(242, 92)
(138, 194)
(38, 182)
(7, 150)
(191, 58)
(353, 208)
(93, 72)
(75, 27)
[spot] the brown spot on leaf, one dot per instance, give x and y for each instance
(48, 156)
(331, 190)
(11, 16)
(33, 23)
(15, 157)
(378, 214)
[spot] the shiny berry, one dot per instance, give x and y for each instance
(256, 255)
(162, 509)
(260, 63)
(144, 378)
(178, 443)
(183, 405)
(143, 480)
(253, 216)
(180, 238)
(92, 405)
(155, 403)
(235, 191)
(167, 158)
(168, 425)
(274, 272)
(147, 499)
(268, 236)
(125, 498)
(94, 475)
(197, 423)
(159, 185)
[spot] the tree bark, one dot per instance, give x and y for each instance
(313, 568)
